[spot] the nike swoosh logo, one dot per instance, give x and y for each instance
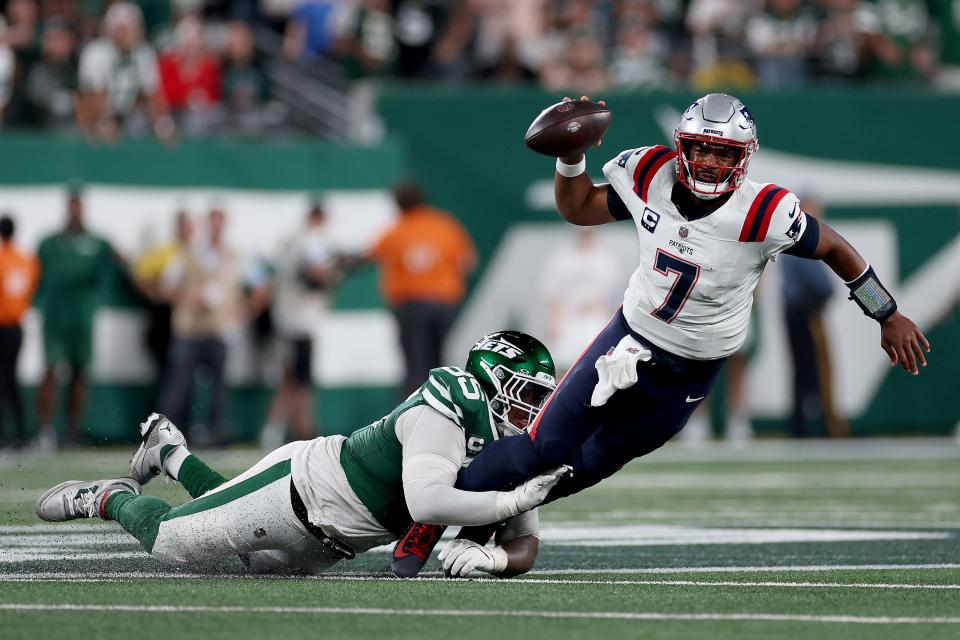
(689, 399)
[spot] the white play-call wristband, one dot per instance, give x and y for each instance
(571, 170)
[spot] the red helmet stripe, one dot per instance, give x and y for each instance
(643, 167)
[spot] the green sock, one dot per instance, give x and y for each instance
(139, 515)
(197, 478)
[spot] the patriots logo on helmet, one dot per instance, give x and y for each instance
(746, 114)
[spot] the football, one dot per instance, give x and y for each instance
(568, 128)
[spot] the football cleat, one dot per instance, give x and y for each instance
(413, 550)
(80, 499)
(160, 437)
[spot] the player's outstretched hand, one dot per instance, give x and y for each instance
(903, 342)
(534, 491)
(463, 558)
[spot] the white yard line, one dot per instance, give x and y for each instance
(707, 583)
(73, 527)
(581, 615)
(765, 481)
(433, 576)
(81, 544)
(666, 583)
(113, 575)
(31, 555)
(751, 569)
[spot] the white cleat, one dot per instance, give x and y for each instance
(160, 438)
(81, 499)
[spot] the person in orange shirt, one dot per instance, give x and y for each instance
(18, 280)
(424, 261)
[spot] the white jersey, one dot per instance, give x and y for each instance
(331, 504)
(692, 292)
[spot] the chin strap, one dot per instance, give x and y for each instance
(871, 296)
(706, 196)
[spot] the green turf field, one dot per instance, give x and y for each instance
(855, 539)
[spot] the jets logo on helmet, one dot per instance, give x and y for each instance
(497, 346)
(517, 373)
(721, 125)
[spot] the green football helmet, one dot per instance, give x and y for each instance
(516, 372)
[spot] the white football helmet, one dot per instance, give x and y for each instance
(716, 119)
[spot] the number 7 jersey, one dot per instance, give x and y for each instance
(693, 289)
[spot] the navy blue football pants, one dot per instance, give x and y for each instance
(597, 441)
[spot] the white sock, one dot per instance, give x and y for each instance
(172, 464)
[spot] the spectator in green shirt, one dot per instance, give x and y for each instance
(74, 264)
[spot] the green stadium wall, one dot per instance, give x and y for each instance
(465, 145)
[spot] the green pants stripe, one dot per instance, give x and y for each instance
(141, 516)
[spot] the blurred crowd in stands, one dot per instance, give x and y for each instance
(188, 68)
(201, 293)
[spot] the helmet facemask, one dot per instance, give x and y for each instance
(519, 398)
(726, 177)
(717, 120)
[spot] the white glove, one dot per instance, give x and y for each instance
(529, 494)
(463, 558)
(618, 369)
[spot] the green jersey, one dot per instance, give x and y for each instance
(372, 457)
(73, 267)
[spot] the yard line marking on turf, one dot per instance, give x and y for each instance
(22, 555)
(173, 575)
(44, 546)
(757, 569)
(68, 539)
(534, 581)
(62, 580)
(767, 480)
(678, 583)
(57, 528)
(731, 583)
(684, 535)
(657, 535)
(434, 577)
(594, 615)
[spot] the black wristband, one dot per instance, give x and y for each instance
(871, 296)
